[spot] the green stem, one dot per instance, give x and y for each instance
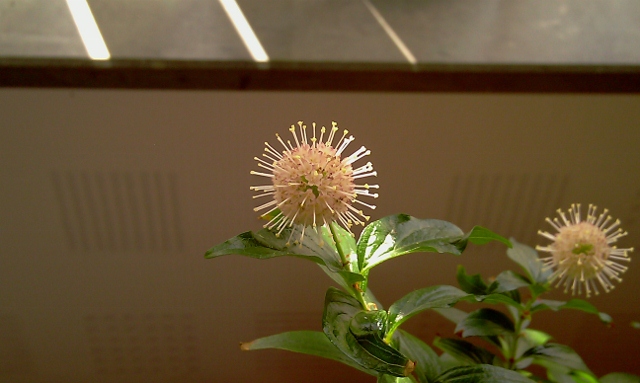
(345, 263)
(343, 257)
(513, 346)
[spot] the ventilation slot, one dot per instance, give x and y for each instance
(510, 205)
(149, 344)
(119, 211)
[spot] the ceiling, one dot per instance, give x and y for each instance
(583, 32)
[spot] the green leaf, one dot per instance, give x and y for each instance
(428, 365)
(528, 259)
(583, 377)
(448, 361)
(368, 323)
(620, 377)
(453, 314)
(347, 243)
(508, 281)
(558, 354)
(264, 244)
(464, 351)
(383, 378)
(456, 316)
(480, 235)
(530, 339)
(360, 339)
(482, 373)
(498, 299)
(402, 234)
(473, 284)
(420, 300)
(304, 342)
(574, 304)
(536, 337)
(485, 322)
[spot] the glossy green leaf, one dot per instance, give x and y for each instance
(485, 322)
(529, 339)
(528, 259)
(347, 243)
(428, 365)
(464, 351)
(365, 346)
(583, 377)
(473, 284)
(304, 342)
(383, 378)
(456, 316)
(395, 362)
(536, 337)
(453, 314)
(480, 235)
(574, 304)
(264, 244)
(620, 377)
(558, 374)
(482, 373)
(369, 323)
(508, 281)
(557, 354)
(420, 300)
(402, 234)
(501, 298)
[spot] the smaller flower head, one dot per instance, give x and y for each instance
(311, 183)
(582, 251)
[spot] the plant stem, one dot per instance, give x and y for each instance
(513, 347)
(343, 257)
(345, 263)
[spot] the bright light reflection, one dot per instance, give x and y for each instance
(244, 29)
(88, 29)
(391, 33)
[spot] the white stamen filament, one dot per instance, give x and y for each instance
(582, 251)
(312, 185)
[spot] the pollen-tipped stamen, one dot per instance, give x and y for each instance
(581, 251)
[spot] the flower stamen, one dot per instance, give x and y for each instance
(311, 183)
(582, 251)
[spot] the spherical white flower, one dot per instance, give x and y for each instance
(312, 184)
(582, 251)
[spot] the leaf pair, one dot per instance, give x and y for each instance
(366, 336)
(359, 334)
(381, 240)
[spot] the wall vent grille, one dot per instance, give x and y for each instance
(119, 211)
(509, 204)
(143, 344)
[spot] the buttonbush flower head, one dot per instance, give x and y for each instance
(582, 252)
(312, 184)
